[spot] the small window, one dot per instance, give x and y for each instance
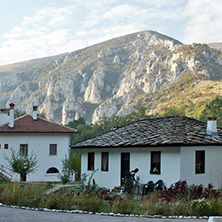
(0, 146)
(6, 146)
(200, 162)
(23, 149)
(105, 161)
(52, 170)
(53, 149)
(90, 161)
(155, 162)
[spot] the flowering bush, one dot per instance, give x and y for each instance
(176, 190)
(181, 190)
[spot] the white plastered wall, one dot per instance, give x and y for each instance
(39, 144)
(139, 158)
(213, 166)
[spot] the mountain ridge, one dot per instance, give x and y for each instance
(109, 78)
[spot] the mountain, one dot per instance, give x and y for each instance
(114, 77)
(216, 45)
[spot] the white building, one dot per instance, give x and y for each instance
(26, 134)
(170, 148)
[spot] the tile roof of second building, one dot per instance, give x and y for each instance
(155, 131)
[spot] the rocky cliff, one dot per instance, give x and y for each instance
(107, 78)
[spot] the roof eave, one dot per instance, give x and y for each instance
(146, 146)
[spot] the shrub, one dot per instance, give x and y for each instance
(176, 190)
(182, 191)
(197, 192)
(89, 186)
(128, 185)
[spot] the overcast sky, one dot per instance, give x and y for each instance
(37, 28)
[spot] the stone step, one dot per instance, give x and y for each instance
(215, 219)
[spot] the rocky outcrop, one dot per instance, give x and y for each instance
(106, 78)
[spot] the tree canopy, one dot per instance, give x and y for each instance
(22, 164)
(211, 108)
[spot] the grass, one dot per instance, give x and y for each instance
(179, 199)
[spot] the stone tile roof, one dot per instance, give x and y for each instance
(174, 130)
(26, 124)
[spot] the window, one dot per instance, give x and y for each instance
(6, 146)
(200, 162)
(155, 162)
(90, 161)
(23, 149)
(105, 161)
(53, 149)
(52, 170)
(0, 146)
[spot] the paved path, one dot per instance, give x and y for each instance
(57, 187)
(14, 215)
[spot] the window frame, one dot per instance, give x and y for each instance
(51, 151)
(23, 150)
(6, 146)
(91, 161)
(105, 157)
(155, 167)
(200, 162)
(52, 170)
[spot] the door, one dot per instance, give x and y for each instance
(125, 166)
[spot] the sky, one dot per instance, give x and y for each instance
(39, 28)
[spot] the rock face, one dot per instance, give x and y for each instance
(106, 78)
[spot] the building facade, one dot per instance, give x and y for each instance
(49, 141)
(171, 149)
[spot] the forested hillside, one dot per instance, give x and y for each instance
(86, 131)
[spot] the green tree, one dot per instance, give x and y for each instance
(66, 174)
(22, 164)
(75, 163)
(213, 109)
(18, 113)
(75, 123)
(71, 164)
(42, 115)
(86, 131)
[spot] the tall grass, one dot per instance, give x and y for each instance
(15, 194)
(179, 199)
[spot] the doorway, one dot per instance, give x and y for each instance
(125, 166)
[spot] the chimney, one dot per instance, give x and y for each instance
(35, 112)
(212, 127)
(11, 115)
